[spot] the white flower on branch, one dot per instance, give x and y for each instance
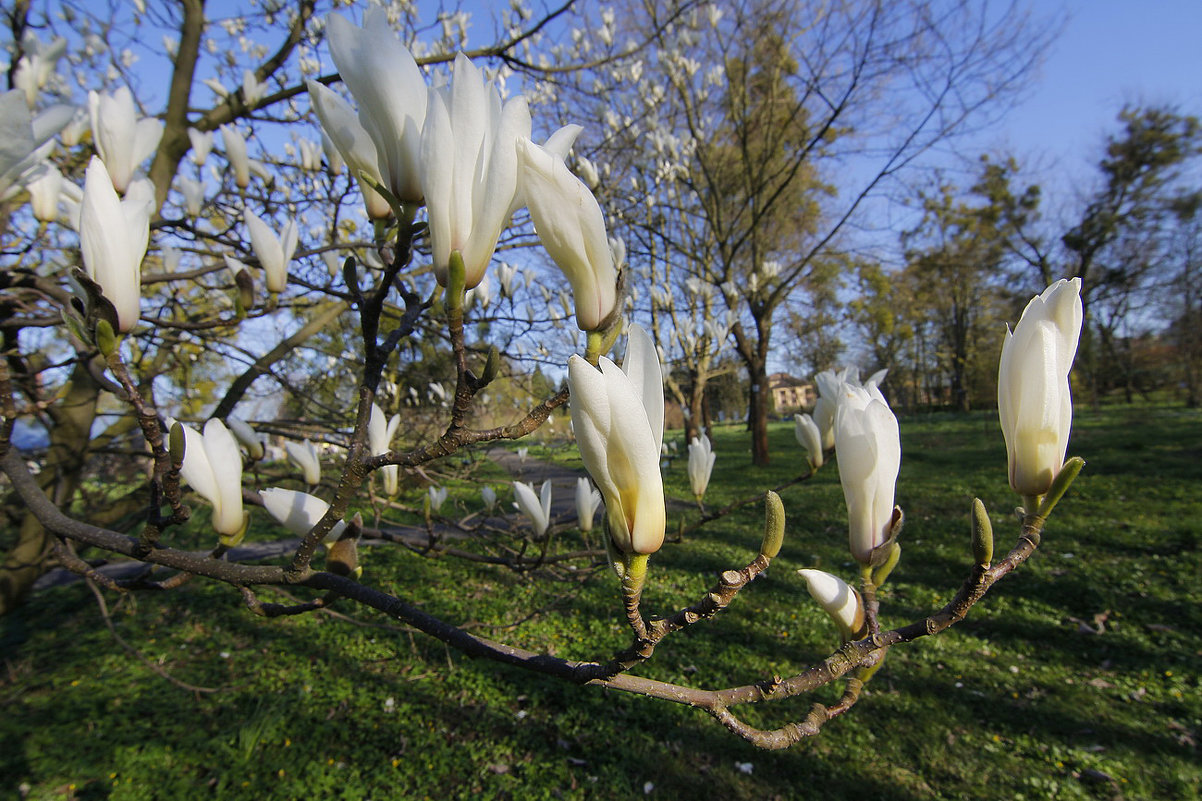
(310, 155)
(809, 437)
(391, 93)
(304, 456)
(379, 441)
(202, 144)
(353, 144)
(194, 194)
(618, 418)
(1034, 401)
(274, 252)
(113, 235)
(829, 384)
(252, 90)
(37, 65)
(235, 154)
(869, 449)
(438, 496)
(840, 601)
(587, 501)
(569, 223)
(255, 447)
(701, 464)
(213, 467)
(122, 140)
(298, 511)
(44, 192)
(469, 168)
(537, 508)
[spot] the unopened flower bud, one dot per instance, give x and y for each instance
(982, 534)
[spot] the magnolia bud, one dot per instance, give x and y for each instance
(774, 525)
(982, 534)
(106, 340)
(176, 445)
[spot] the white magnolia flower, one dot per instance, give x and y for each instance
(438, 496)
(587, 500)
(868, 445)
(469, 170)
(298, 511)
(36, 65)
(701, 464)
(618, 418)
(122, 140)
(213, 467)
(113, 236)
(391, 92)
(569, 223)
(80, 123)
(235, 154)
(489, 495)
(379, 441)
(1034, 401)
(304, 456)
(310, 155)
(839, 600)
(44, 191)
(252, 90)
(194, 194)
(829, 383)
(809, 437)
(536, 507)
(481, 293)
(202, 144)
(274, 252)
(249, 438)
(352, 143)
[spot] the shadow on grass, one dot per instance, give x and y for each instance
(1015, 701)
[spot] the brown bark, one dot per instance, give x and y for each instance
(59, 479)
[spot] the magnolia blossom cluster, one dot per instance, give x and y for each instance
(466, 154)
(1034, 408)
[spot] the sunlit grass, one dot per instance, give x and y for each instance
(1019, 701)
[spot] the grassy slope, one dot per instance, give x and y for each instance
(1014, 703)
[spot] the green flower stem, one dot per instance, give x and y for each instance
(871, 606)
(456, 283)
(633, 578)
(593, 348)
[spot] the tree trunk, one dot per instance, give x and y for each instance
(59, 478)
(696, 419)
(757, 417)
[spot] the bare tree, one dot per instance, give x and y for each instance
(788, 120)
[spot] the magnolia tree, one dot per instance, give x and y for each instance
(441, 161)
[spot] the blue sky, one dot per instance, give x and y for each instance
(1110, 52)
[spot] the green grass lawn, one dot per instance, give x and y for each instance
(1021, 701)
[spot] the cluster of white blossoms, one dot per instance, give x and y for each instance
(464, 153)
(1034, 408)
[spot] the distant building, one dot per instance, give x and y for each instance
(790, 393)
